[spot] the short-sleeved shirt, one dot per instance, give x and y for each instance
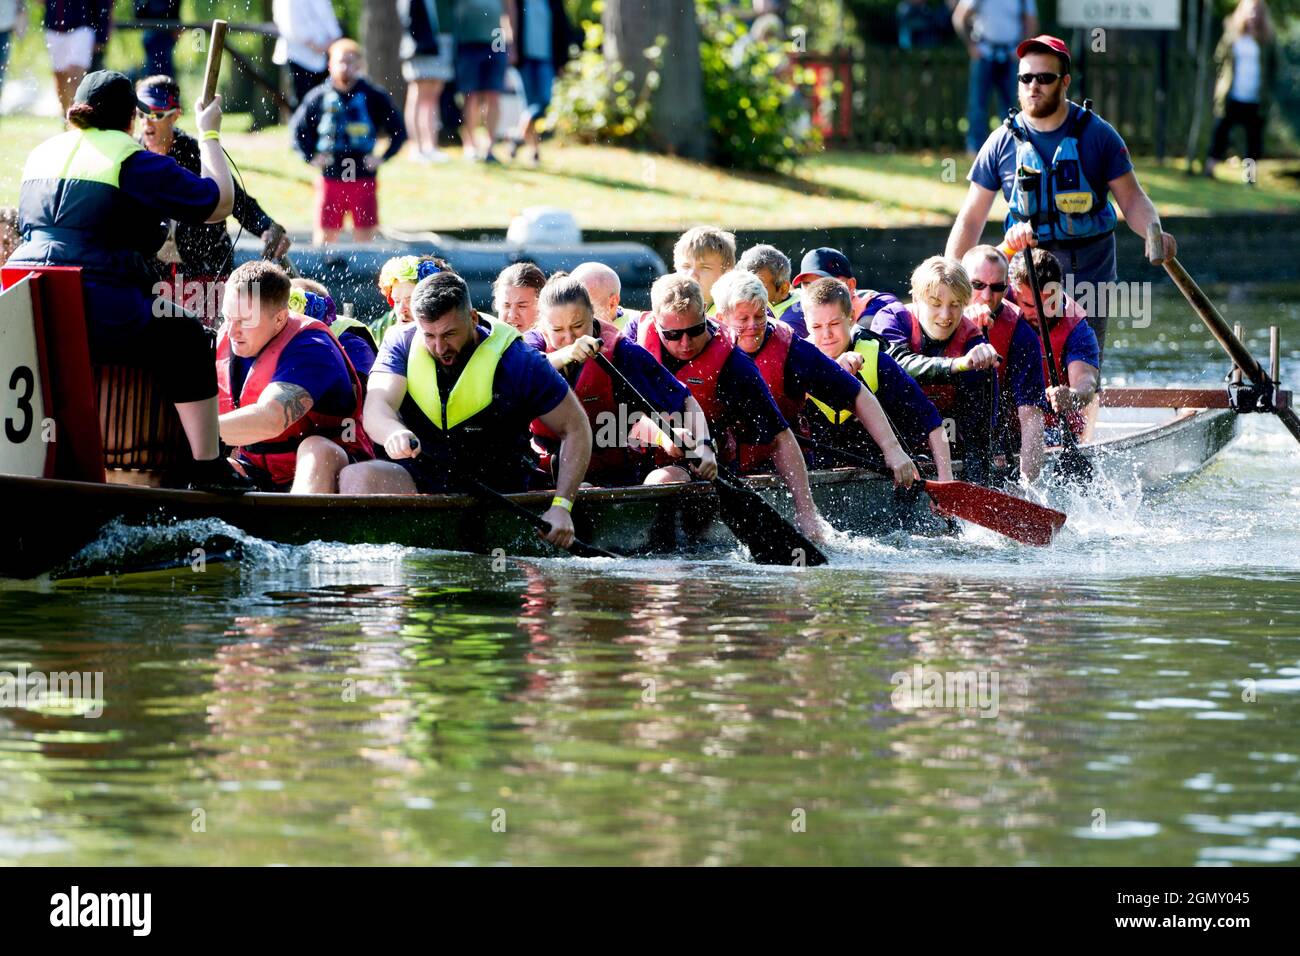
(1024, 375)
(749, 411)
(524, 386)
(476, 21)
(1103, 157)
(360, 352)
(313, 362)
(1081, 346)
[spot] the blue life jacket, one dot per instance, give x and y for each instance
(1058, 200)
(345, 125)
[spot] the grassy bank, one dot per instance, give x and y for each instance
(611, 189)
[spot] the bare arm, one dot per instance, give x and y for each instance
(1140, 212)
(970, 221)
(569, 422)
(961, 15)
(1031, 441)
(384, 394)
(212, 161)
(789, 463)
(941, 453)
(873, 419)
(280, 405)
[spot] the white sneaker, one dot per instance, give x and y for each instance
(435, 156)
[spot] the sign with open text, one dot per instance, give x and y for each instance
(1120, 14)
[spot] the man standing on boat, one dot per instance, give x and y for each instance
(730, 389)
(452, 394)
(570, 336)
(796, 371)
(1056, 164)
(828, 309)
(1071, 338)
(1020, 371)
(290, 398)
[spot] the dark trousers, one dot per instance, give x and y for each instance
(158, 46)
(304, 81)
(974, 412)
(1246, 115)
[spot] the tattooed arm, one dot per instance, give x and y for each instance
(280, 405)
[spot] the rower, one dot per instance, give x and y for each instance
(825, 262)
(772, 266)
(92, 197)
(948, 356)
(571, 336)
(397, 280)
(1073, 343)
(459, 392)
(196, 259)
(290, 399)
(1020, 373)
(606, 291)
(795, 371)
(729, 388)
(703, 254)
(514, 294)
(313, 299)
(828, 307)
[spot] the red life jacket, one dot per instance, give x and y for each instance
(999, 333)
(595, 390)
(279, 455)
(944, 396)
(1059, 334)
(699, 375)
(770, 359)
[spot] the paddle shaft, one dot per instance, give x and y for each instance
(216, 46)
(1222, 332)
(853, 458)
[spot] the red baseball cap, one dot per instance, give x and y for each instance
(1045, 44)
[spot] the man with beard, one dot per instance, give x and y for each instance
(1056, 164)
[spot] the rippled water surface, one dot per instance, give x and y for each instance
(333, 704)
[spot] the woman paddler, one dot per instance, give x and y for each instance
(93, 197)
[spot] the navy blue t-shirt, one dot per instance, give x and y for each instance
(313, 362)
(1024, 375)
(524, 386)
(809, 372)
(359, 352)
(161, 184)
(1103, 157)
(749, 411)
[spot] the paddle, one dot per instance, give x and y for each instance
(486, 493)
(998, 511)
(755, 523)
(1074, 464)
(1218, 327)
(216, 46)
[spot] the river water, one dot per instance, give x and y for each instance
(1135, 695)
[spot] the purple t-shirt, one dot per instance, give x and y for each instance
(1024, 375)
(903, 401)
(313, 362)
(161, 184)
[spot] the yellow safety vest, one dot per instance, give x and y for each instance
(90, 155)
(473, 390)
(870, 350)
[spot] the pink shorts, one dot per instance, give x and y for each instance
(335, 198)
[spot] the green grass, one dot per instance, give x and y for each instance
(613, 189)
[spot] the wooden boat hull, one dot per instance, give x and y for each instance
(50, 520)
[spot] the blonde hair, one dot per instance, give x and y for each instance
(678, 294)
(941, 271)
(702, 239)
(736, 287)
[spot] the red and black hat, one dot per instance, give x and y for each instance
(1045, 44)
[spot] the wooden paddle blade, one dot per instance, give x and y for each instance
(771, 539)
(1006, 514)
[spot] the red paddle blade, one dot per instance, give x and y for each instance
(1006, 514)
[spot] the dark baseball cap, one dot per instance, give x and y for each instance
(1045, 44)
(823, 263)
(108, 91)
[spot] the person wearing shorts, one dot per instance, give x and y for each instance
(336, 129)
(428, 62)
(482, 32)
(542, 34)
(70, 38)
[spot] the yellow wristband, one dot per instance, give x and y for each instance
(1006, 250)
(212, 134)
(565, 503)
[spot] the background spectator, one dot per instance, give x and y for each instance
(70, 38)
(1246, 60)
(542, 35)
(158, 44)
(101, 12)
(307, 28)
(922, 25)
(428, 52)
(13, 24)
(483, 40)
(991, 29)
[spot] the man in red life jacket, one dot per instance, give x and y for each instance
(1020, 373)
(729, 388)
(1073, 342)
(571, 336)
(289, 398)
(795, 371)
(948, 356)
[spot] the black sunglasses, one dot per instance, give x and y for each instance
(1044, 79)
(675, 335)
(977, 285)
